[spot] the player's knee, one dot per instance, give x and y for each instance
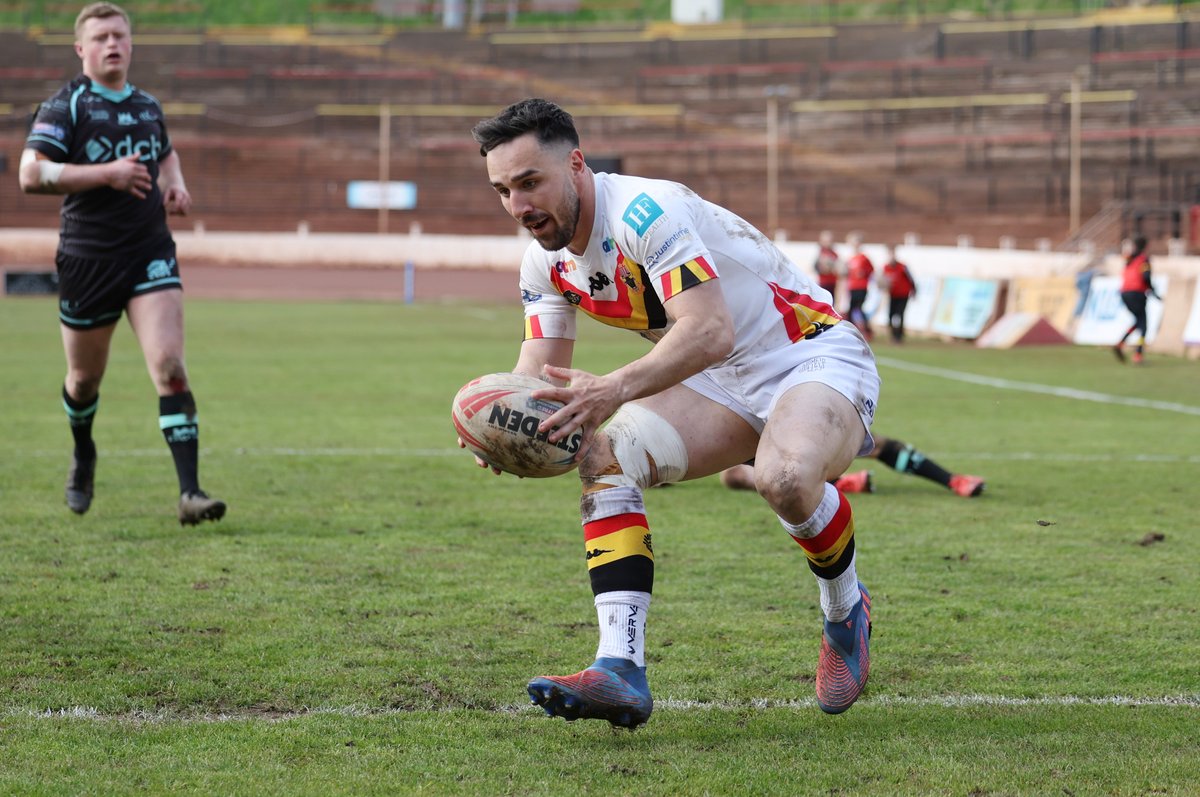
(638, 448)
(792, 486)
(83, 385)
(170, 373)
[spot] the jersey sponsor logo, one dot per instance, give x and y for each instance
(99, 115)
(681, 234)
(641, 214)
(529, 297)
(103, 149)
(148, 116)
(566, 266)
(49, 130)
(126, 119)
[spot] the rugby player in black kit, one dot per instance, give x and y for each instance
(104, 144)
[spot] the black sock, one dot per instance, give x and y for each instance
(179, 423)
(81, 415)
(906, 459)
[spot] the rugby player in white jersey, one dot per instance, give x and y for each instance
(749, 360)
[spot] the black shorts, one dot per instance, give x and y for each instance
(93, 293)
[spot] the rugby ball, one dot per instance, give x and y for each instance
(498, 419)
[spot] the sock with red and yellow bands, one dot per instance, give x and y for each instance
(828, 541)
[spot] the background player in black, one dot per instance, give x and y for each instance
(104, 144)
(896, 454)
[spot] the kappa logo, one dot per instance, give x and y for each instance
(641, 214)
(595, 552)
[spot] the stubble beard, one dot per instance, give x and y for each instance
(566, 223)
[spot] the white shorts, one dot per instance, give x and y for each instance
(839, 357)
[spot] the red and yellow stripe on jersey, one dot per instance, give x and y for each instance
(803, 316)
(829, 552)
(634, 308)
(686, 276)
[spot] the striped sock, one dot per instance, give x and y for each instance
(81, 414)
(180, 427)
(828, 541)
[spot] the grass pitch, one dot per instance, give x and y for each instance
(365, 618)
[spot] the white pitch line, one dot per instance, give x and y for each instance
(1034, 387)
(418, 453)
(669, 704)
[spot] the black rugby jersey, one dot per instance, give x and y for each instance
(86, 123)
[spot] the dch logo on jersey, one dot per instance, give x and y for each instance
(642, 213)
(102, 148)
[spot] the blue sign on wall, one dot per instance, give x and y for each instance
(965, 307)
(371, 194)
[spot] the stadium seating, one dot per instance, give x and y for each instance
(938, 128)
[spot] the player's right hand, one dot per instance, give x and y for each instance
(130, 175)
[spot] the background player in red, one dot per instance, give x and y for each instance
(1135, 287)
(828, 265)
(901, 287)
(859, 272)
(104, 144)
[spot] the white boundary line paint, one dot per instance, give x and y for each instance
(1034, 387)
(758, 704)
(419, 453)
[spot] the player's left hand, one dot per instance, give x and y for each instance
(177, 201)
(588, 400)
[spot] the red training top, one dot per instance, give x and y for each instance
(858, 272)
(900, 281)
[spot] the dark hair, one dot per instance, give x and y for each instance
(1139, 245)
(551, 124)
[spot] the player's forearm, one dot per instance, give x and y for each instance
(692, 344)
(39, 176)
(170, 173)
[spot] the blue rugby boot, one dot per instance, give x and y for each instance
(611, 689)
(845, 658)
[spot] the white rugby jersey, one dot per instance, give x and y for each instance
(654, 238)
